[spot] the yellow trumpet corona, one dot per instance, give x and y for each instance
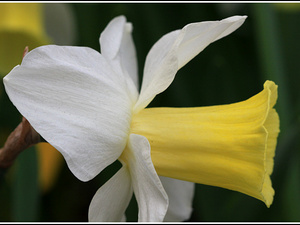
(230, 146)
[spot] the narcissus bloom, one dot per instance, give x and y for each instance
(87, 105)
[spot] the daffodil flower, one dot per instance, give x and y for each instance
(87, 105)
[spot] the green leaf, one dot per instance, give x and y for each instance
(25, 193)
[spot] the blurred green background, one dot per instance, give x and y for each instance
(232, 69)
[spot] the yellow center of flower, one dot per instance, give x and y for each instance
(230, 146)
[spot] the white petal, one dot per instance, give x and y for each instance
(111, 37)
(160, 69)
(73, 99)
(150, 195)
(117, 45)
(181, 194)
(197, 36)
(175, 49)
(111, 200)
